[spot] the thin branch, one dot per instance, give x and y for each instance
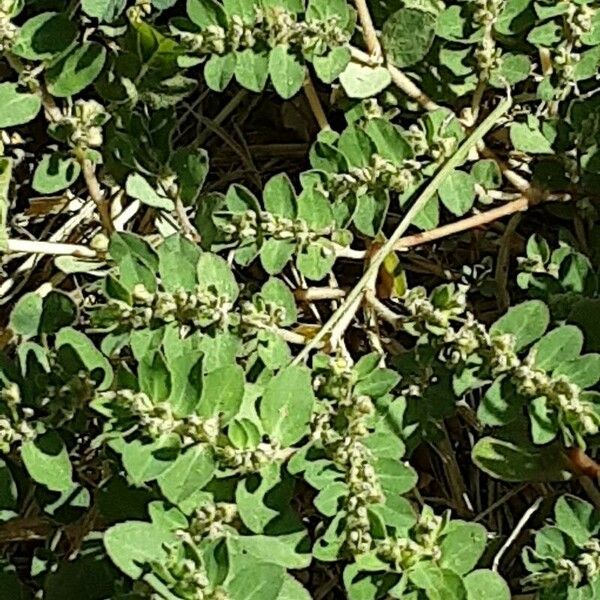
(186, 225)
(354, 298)
(368, 29)
(315, 104)
(49, 248)
(515, 533)
(472, 222)
(96, 194)
(314, 294)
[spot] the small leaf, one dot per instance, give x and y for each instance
(17, 107)
(527, 322)
(408, 35)
(219, 70)
(286, 405)
(177, 262)
(214, 272)
(77, 70)
(528, 138)
(462, 546)
(188, 474)
(361, 81)
(47, 462)
(457, 192)
(26, 315)
(576, 518)
(583, 371)
(55, 173)
(287, 71)
(133, 544)
(558, 346)
(279, 196)
(137, 187)
(44, 36)
(252, 69)
(89, 355)
(485, 584)
(222, 393)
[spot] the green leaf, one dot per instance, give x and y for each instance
(277, 292)
(457, 192)
(275, 254)
(506, 460)
(362, 81)
(487, 174)
(58, 310)
(514, 68)
(282, 550)
(137, 187)
(357, 146)
(257, 581)
(388, 140)
(314, 264)
(222, 393)
(47, 462)
(462, 546)
(77, 70)
(191, 166)
(407, 36)
(252, 69)
(558, 346)
(287, 71)
(395, 477)
(485, 584)
(429, 216)
(544, 425)
(279, 196)
(177, 262)
(527, 322)
(370, 213)
(133, 544)
(8, 493)
(439, 584)
(103, 10)
(17, 107)
(286, 405)
(219, 70)
(44, 36)
(576, 518)
(89, 355)
(188, 474)
(55, 173)
(214, 272)
(583, 371)
(528, 138)
(146, 462)
(329, 67)
(206, 13)
(26, 315)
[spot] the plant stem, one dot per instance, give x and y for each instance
(368, 29)
(96, 194)
(315, 104)
(51, 248)
(354, 298)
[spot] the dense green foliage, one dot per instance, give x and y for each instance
(226, 373)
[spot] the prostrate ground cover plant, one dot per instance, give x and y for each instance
(300, 299)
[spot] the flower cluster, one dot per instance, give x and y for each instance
(487, 55)
(185, 575)
(334, 386)
(422, 543)
(135, 411)
(250, 460)
(82, 123)
(247, 226)
(8, 30)
(459, 338)
(380, 174)
(272, 26)
(578, 570)
(211, 521)
(14, 425)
